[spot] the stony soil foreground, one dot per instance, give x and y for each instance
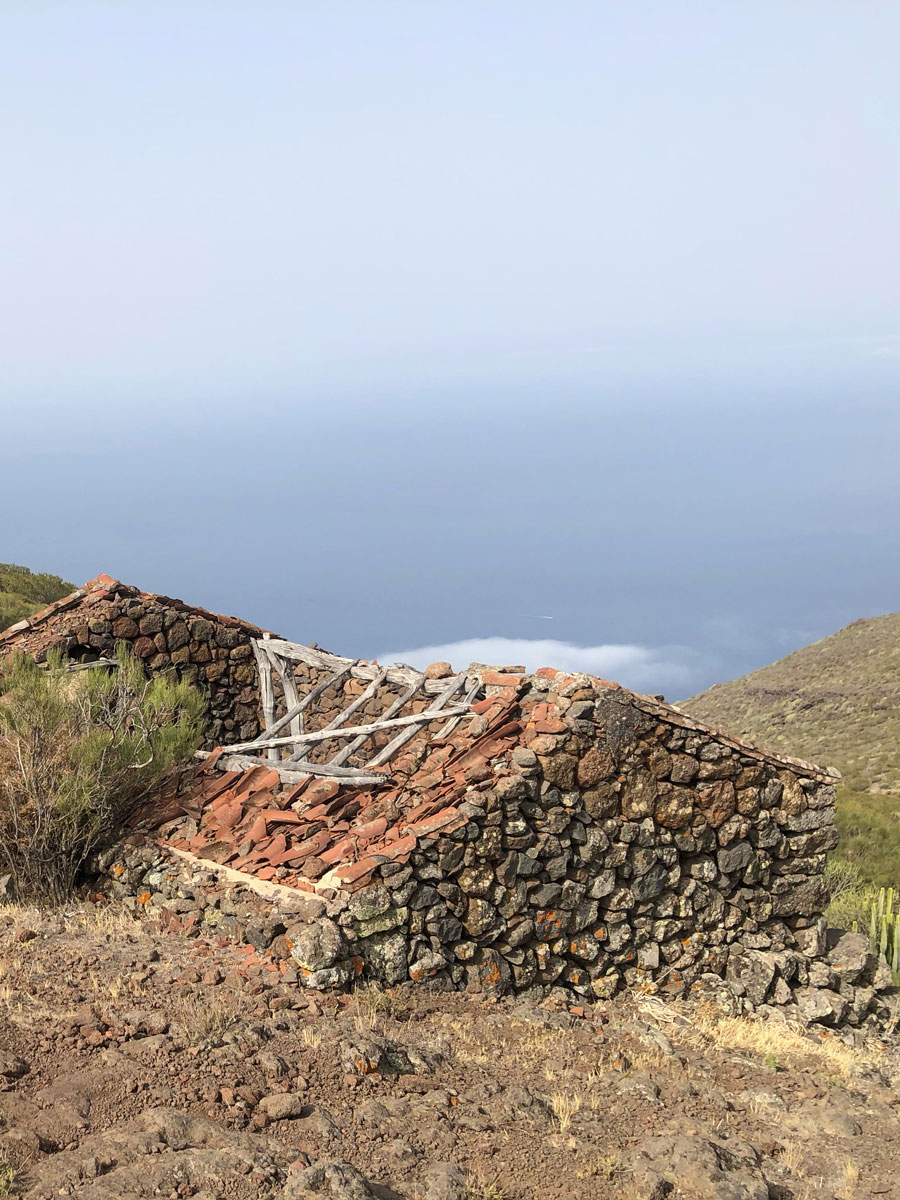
(135, 1064)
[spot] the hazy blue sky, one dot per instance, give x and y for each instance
(403, 325)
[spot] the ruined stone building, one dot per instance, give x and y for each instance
(489, 829)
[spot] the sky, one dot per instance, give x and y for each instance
(561, 334)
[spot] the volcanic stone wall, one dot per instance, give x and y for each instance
(569, 834)
(206, 649)
(605, 845)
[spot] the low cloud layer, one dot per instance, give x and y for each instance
(668, 669)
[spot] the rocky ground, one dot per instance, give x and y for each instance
(137, 1064)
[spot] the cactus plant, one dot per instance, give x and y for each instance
(884, 929)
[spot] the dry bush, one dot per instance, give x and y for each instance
(78, 752)
(204, 1019)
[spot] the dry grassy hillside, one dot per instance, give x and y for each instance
(836, 702)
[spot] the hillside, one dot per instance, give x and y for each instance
(23, 592)
(836, 702)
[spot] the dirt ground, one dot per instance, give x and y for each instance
(137, 1064)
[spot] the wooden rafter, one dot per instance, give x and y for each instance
(350, 749)
(277, 657)
(345, 714)
(365, 731)
(294, 772)
(436, 710)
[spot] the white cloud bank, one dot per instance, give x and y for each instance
(668, 669)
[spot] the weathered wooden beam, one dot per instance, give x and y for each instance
(285, 669)
(80, 666)
(327, 735)
(266, 689)
(347, 713)
(398, 673)
(437, 709)
(404, 697)
(295, 710)
(468, 699)
(294, 772)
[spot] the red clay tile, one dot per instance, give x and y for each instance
(277, 846)
(351, 872)
(257, 830)
(344, 849)
(432, 824)
(397, 849)
(371, 830)
(322, 790)
(501, 679)
(281, 816)
(230, 816)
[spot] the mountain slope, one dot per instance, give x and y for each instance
(836, 702)
(23, 592)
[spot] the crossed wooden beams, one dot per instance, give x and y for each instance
(452, 701)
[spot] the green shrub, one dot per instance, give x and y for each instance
(78, 752)
(851, 893)
(868, 827)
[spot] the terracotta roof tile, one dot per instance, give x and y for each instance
(321, 835)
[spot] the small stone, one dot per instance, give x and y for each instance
(820, 1005)
(850, 955)
(734, 857)
(318, 945)
(438, 670)
(281, 1106)
(327, 1181)
(369, 903)
(444, 1181)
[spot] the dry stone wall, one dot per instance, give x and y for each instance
(585, 839)
(206, 649)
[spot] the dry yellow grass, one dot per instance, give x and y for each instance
(8, 1175)
(604, 1166)
(480, 1187)
(311, 1037)
(531, 1045)
(203, 1019)
(370, 1002)
(775, 1043)
(565, 1105)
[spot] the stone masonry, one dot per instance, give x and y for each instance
(211, 651)
(567, 834)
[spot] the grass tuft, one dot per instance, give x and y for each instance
(202, 1019)
(8, 1176)
(565, 1105)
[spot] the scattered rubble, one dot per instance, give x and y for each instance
(141, 1063)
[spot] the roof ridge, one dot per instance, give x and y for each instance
(64, 602)
(677, 716)
(103, 585)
